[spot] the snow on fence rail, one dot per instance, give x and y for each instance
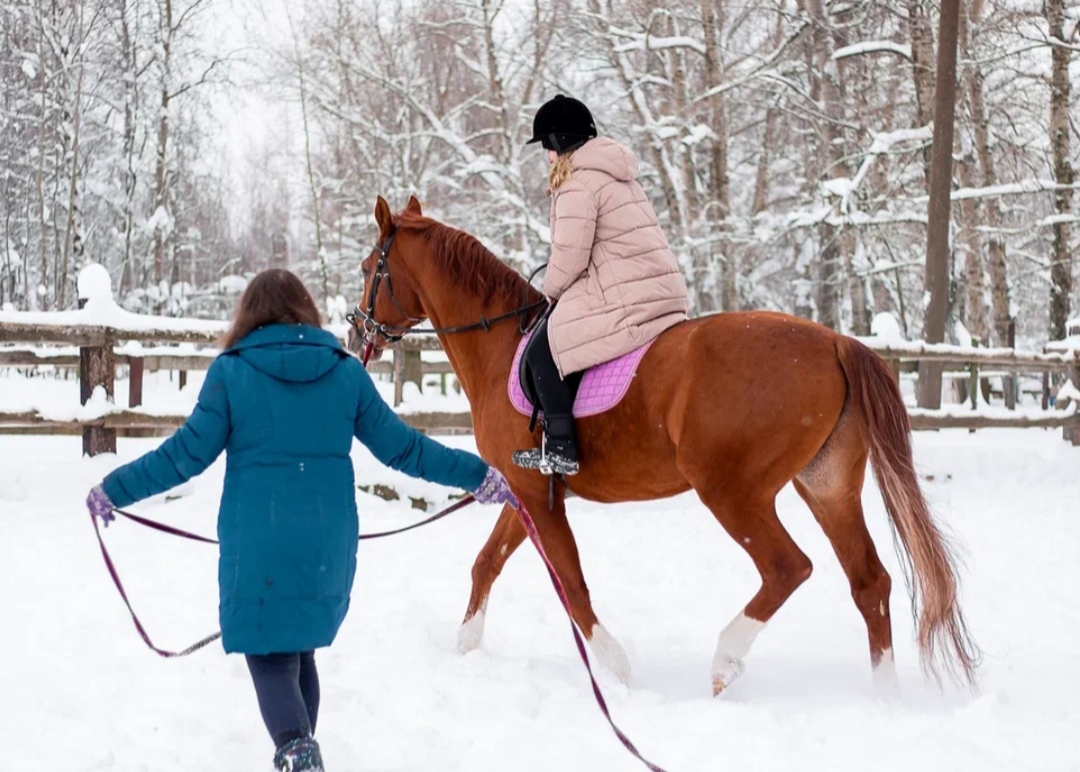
(101, 336)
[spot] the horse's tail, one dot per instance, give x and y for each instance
(925, 554)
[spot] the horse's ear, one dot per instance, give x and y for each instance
(382, 214)
(413, 205)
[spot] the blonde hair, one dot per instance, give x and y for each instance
(560, 171)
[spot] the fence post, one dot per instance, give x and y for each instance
(1071, 432)
(414, 368)
(136, 366)
(408, 366)
(97, 364)
(399, 373)
(973, 381)
(1011, 381)
(97, 367)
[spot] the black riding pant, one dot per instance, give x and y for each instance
(287, 686)
(556, 395)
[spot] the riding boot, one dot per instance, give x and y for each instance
(300, 755)
(558, 451)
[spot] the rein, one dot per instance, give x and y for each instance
(530, 529)
(365, 323)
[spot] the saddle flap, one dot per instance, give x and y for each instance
(597, 390)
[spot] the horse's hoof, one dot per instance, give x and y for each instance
(886, 682)
(724, 674)
(609, 653)
(471, 633)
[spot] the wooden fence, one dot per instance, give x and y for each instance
(96, 352)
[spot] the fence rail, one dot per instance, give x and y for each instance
(97, 350)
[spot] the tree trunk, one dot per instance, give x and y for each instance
(825, 90)
(1000, 300)
(938, 211)
(313, 188)
(73, 241)
(761, 180)
(922, 71)
(718, 205)
(643, 115)
(128, 46)
(1061, 267)
(161, 180)
(975, 316)
(974, 284)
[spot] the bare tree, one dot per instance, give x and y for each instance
(939, 215)
(1061, 281)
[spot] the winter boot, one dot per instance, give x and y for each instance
(557, 453)
(299, 755)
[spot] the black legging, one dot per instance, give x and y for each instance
(287, 686)
(556, 395)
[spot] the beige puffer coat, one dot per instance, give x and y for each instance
(617, 284)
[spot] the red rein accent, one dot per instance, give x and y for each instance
(530, 528)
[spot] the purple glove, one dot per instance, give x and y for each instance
(100, 506)
(495, 490)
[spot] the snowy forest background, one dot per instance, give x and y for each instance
(186, 144)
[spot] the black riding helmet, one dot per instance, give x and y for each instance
(562, 124)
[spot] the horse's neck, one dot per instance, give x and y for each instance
(478, 356)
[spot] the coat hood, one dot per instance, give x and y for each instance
(295, 353)
(608, 156)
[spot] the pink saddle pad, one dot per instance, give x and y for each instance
(602, 387)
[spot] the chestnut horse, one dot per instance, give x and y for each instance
(733, 405)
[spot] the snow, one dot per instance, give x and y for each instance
(82, 692)
(841, 187)
(873, 46)
(886, 329)
(103, 314)
(233, 285)
(95, 284)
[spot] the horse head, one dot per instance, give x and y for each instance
(388, 307)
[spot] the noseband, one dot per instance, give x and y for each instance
(365, 323)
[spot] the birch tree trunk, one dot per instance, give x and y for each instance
(1061, 266)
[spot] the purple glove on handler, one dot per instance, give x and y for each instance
(495, 490)
(100, 506)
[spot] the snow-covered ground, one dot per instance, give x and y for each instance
(81, 692)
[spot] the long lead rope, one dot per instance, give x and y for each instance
(530, 529)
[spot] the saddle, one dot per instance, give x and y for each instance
(596, 390)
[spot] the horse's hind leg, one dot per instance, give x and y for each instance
(781, 564)
(504, 539)
(832, 486)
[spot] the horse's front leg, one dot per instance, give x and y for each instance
(561, 548)
(505, 538)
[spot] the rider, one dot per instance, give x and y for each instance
(616, 283)
(284, 401)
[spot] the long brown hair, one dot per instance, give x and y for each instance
(274, 296)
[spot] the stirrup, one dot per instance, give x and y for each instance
(538, 458)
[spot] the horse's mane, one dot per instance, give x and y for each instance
(467, 262)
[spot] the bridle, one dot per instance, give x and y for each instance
(364, 322)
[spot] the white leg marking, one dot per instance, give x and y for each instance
(609, 653)
(886, 682)
(734, 644)
(472, 632)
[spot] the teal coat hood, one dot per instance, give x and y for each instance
(295, 353)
